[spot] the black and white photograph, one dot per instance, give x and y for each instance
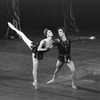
(49, 50)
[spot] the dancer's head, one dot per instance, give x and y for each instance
(48, 32)
(61, 31)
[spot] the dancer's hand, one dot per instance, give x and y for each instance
(92, 37)
(49, 47)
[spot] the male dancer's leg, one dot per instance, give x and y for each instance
(59, 65)
(21, 34)
(71, 65)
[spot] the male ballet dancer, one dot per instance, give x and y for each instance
(63, 44)
(37, 49)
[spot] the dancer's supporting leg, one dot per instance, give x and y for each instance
(21, 34)
(35, 67)
(59, 65)
(71, 65)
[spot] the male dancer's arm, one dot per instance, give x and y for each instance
(81, 38)
(55, 42)
(22, 35)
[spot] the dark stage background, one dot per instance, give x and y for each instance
(42, 13)
(38, 14)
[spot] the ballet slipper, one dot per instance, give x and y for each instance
(51, 81)
(74, 86)
(35, 85)
(11, 26)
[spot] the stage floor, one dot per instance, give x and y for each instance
(16, 72)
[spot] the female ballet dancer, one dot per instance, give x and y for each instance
(37, 49)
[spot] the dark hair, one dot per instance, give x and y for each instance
(45, 31)
(61, 28)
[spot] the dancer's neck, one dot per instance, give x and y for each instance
(63, 38)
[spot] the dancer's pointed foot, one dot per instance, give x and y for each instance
(51, 81)
(74, 86)
(11, 26)
(35, 85)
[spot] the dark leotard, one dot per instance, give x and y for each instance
(38, 54)
(64, 49)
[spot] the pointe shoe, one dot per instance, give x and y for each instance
(35, 85)
(51, 81)
(74, 87)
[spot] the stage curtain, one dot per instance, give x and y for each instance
(69, 19)
(13, 16)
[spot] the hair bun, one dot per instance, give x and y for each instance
(45, 31)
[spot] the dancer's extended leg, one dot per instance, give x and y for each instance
(21, 34)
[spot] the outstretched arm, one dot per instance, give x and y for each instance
(21, 34)
(82, 38)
